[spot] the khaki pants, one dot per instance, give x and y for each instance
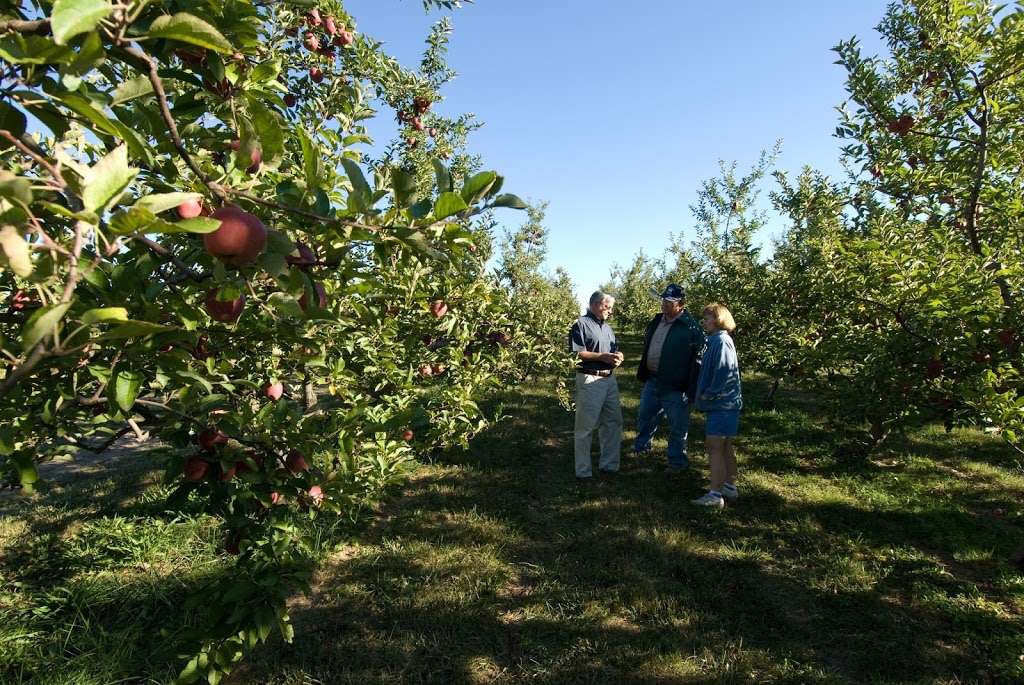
(597, 406)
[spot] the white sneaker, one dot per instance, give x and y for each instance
(730, 492)
(709, 500)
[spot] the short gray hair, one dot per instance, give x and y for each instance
(600, 296)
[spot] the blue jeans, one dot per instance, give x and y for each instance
(673, 405)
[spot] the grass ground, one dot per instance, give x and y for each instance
(495, 566)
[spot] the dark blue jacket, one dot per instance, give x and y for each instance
(680, 356)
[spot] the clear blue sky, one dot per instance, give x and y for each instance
(613, 112)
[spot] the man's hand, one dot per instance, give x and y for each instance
(613, 358)
(619, 358)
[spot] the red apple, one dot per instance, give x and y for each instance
(1007, 338)
(305, 257)
(313, 17)
(256, 157)
(289, 100)
(209, 438)
(411, 142)
(316, 493)
(273, 391)
(311, 42)
(193, 56)
(418, 124)
(408, 435)
(235, 144)
(438, 308)
(426, 371)
(196, 468)
(344, 38)
(226, 311)
(296, 462)
(240, 238)
(433, 132)
(232, 545)
(321, 297)
(421, 104)
(438, 369)
(330, 26)
(200, 351)
(228, 473)
(190, 209)
(276, 498)
(317, 74)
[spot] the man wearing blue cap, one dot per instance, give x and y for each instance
(673, 343)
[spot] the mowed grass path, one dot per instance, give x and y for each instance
(495, 566)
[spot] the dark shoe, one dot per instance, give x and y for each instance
(643, 451)
(609, 472)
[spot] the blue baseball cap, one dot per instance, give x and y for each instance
(673, 293)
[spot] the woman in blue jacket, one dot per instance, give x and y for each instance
(720, 397)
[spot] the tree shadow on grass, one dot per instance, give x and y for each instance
(496, 566)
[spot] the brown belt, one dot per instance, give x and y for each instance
(595, 372)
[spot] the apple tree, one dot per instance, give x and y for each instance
(196, 245)
(904, 283)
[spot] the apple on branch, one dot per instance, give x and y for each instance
(438, 308)
(240, 238)
(224, 310)
(273, 391)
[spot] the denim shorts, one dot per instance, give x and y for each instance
(722, 423)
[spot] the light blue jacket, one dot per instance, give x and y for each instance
(718, 386)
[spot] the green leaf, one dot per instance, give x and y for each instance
(14, 251)
(101, 124)
(404, 185)
(444, 178)
(11, 120)
(419, 243)
(360, 188)
(510, 201)
(475, 187)
(50, 116)
(200, 224)
(28, 473)
(20, 49)
(41, 324)
(268, 129)
(90, 55)
(161, 202)
(310, 159)
(420, 210)
(135, 329)
(131, 89)
(72, 17)
(107, 179)
(134, 220)
(448, 204)
(125, 388)
(188, 28)
(15, 188)
(104, 315)
(265, 71)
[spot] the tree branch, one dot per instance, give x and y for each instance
(41, 26)
(172, 127)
